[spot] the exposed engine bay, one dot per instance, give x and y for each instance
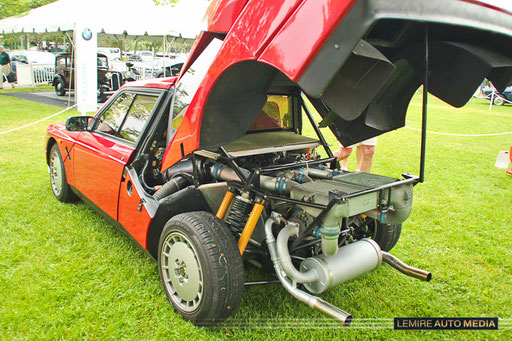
(331, 225)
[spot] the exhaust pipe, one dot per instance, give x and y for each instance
(404, 268)
(322, 272)
(312, 301)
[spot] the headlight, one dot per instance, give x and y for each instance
(108, 75)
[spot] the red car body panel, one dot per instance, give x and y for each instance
(135, 221)
(97, 171)
(304, 34)
(222, 14)
(99, 163)
(158, 83)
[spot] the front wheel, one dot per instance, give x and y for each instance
(58, 180)
(200, 267)
(60, 88)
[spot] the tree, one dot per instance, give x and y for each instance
(13, 7)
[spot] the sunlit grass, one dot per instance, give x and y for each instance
(66, 273)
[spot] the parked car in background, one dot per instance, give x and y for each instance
(32, 57)
(172, 70)
(112, 53)
(500, 97)
(63, 80)
(146, 56)
(135, 58)
(43, 63)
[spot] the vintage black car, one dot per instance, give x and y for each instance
(63, 81)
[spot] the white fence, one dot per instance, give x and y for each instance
(34, 74)
(38, 74)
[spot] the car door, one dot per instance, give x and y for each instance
(101, 154)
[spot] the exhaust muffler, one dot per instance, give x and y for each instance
(321, 272)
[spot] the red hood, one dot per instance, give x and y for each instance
(358, 61)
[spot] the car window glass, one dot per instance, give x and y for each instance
(191, 80)
(102, 62)
(137, 116)
(113, 117)
(275, 114)
(189, 83)
(61, 62)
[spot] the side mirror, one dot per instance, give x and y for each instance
(78, 123)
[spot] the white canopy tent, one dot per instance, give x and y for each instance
(127, 18)
(119, 19)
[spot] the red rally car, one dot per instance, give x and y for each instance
(216, 167)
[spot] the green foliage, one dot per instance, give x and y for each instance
(65, 273)
(14, 7)
(165, 2)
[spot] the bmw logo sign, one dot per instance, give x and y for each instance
(87, 34)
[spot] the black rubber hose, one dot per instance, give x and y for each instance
(171, 186)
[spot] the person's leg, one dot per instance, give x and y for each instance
(342, 154)
(359, 156)
(367, 158)
(4, 72)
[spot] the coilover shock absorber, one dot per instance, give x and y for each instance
(239, 212)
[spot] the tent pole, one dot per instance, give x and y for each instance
(165, 49)
(424, 110)
(72, 66)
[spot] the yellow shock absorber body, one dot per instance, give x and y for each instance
(224, 205)
(250, 225)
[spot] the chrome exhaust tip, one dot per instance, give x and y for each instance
(404, 268)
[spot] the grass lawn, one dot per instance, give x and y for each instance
(65, 273)
(7, 89)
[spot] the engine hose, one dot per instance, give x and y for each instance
(142, 177)
(172, 186)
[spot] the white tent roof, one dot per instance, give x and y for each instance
(112, 17)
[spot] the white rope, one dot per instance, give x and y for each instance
(43, 119)
(471, 135)
(448, 134)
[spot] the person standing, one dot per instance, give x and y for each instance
(6, 66)
(364, 154)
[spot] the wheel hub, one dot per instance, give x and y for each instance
(182, 272)
(55, 173)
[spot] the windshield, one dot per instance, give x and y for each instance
(102, 62)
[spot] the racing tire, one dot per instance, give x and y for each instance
(58, 179)
(386, 235)
(60, 88)
(200, 267)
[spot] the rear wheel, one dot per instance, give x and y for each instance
(498, 100)
(60, 88)
(200, 267)
(58, 180)
(386, 235)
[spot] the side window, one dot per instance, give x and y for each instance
(126, 117)
(111, 120)
(137, 117)
(61, 62)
